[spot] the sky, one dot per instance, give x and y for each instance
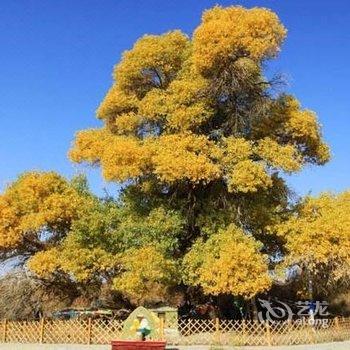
(57, 56)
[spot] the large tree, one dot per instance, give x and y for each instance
(200, 140)
(193, 127)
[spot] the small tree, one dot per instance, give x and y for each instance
(318, 241)
(36, 213)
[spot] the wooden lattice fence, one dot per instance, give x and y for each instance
(183, 332)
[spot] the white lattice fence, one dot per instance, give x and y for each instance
(66, 332)
(185, 332)
(196, 332)
(23, 332)
(103, 331)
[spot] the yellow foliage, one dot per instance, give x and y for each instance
(10, 233)
(183, 105)
(248, 176)
(168, 118)
(170, 157)
(229, 262)
(288, 122)
(71, 258)
(45, 263)
(121, 157)
(322, 153)
(127, 123)
(152, 62)
(35, 203)
(153, 107)
(146, 274)
(188, 107)
(184, 156)
(279, 156)
(116, 102)
(228, 33)
(319, 234)
(235, 149)
(303, 126)
(89, 145)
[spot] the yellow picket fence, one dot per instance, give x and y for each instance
(183, 332)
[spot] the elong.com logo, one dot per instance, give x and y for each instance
(312, 313)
